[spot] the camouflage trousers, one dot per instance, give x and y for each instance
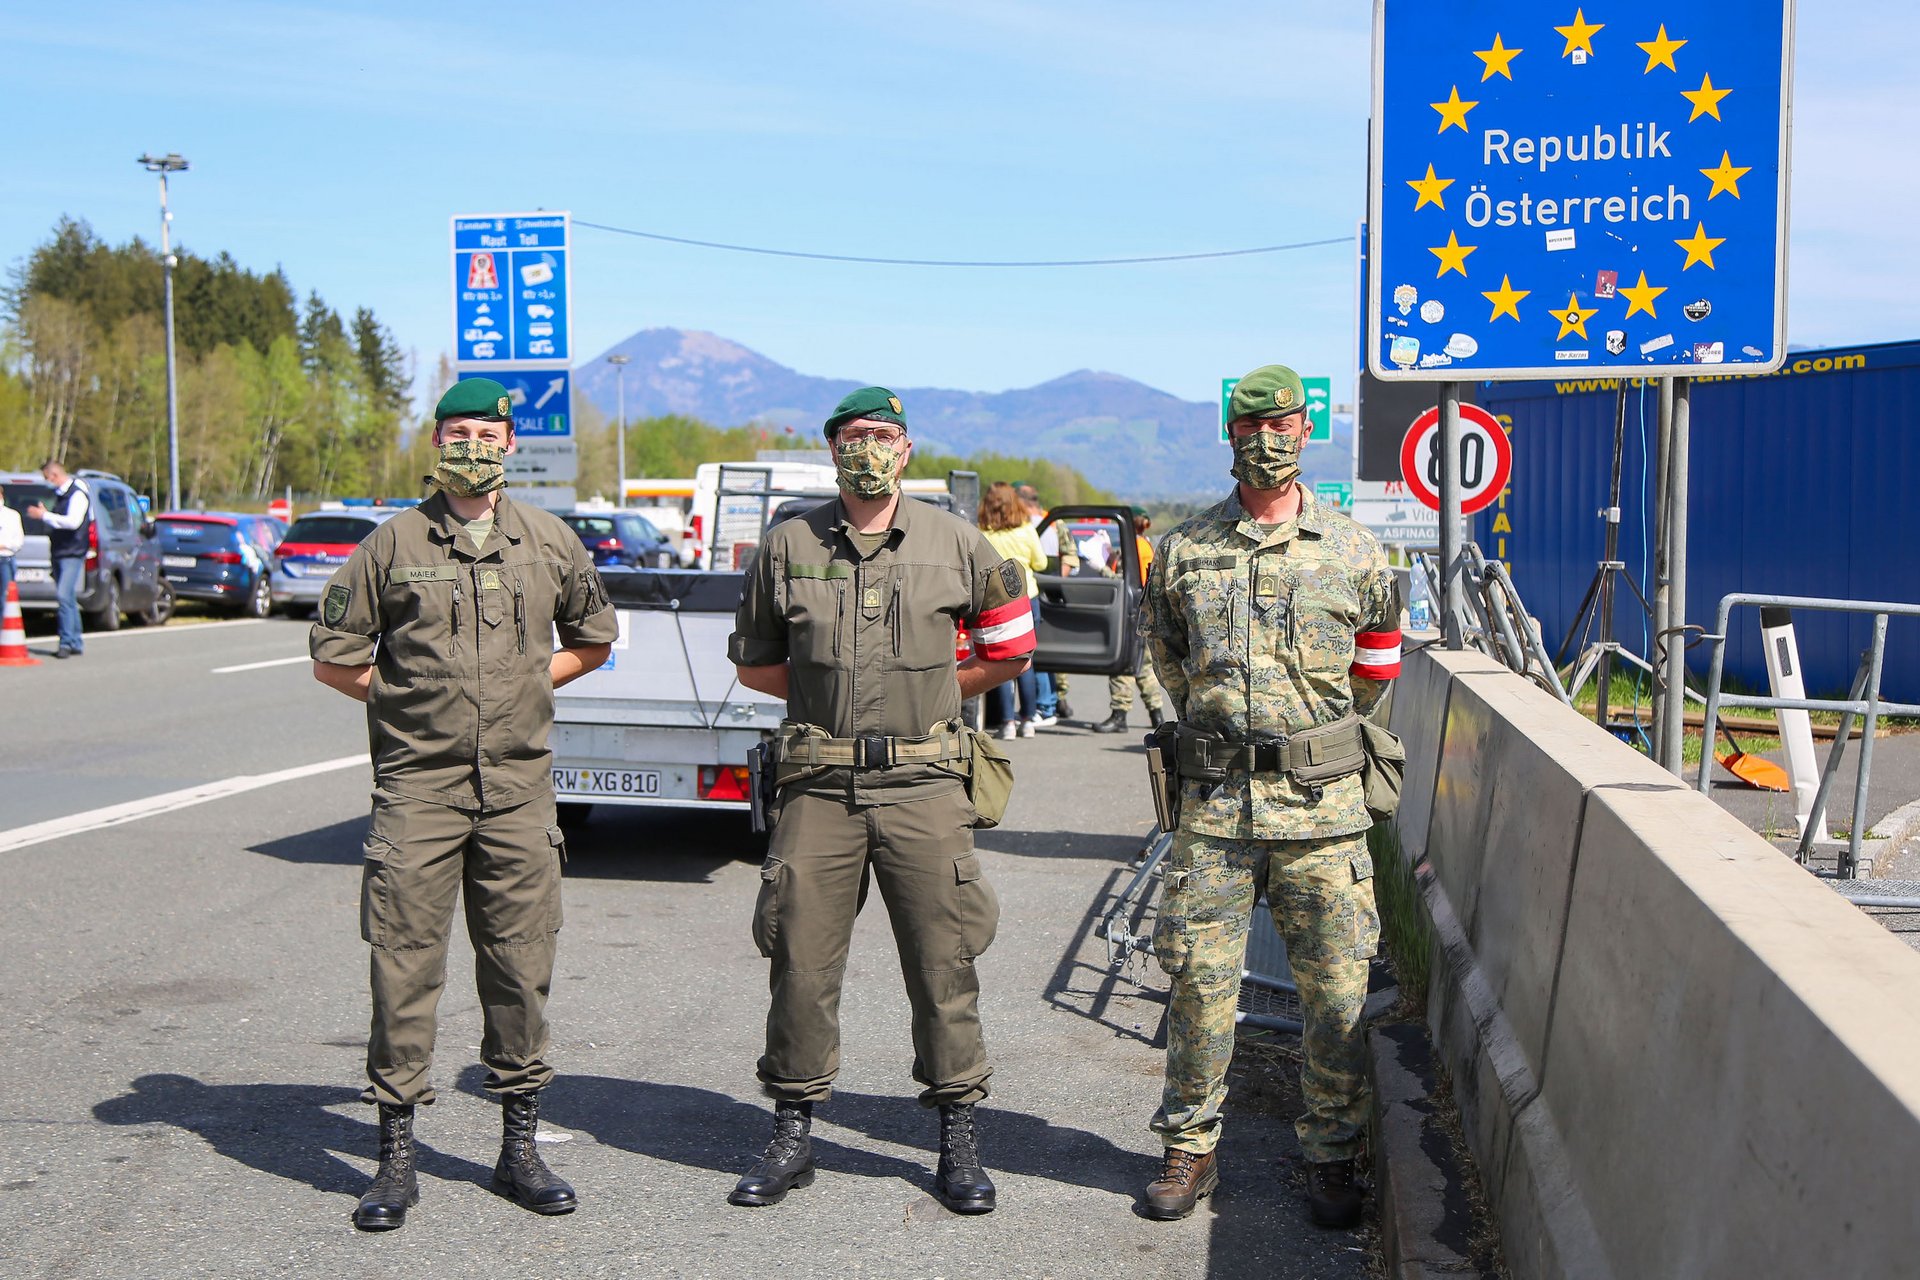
(1321, 895)
(1120, 689)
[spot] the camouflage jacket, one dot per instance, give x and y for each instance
(1257, 633)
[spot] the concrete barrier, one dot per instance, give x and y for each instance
(1675, 1052)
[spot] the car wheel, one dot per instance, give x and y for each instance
(107, 616)
(259, 603)
(160, 611)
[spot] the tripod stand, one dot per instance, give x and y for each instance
(1596, 607)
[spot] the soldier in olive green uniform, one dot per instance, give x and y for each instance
(1273, 621)
(849, 614)
(442, 622)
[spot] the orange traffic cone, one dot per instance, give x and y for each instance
(13, 633)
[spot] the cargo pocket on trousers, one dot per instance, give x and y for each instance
(1365, 942)
(1172, 940)
(376, 890)
(979, 907)
(557, 839)
(766, 909)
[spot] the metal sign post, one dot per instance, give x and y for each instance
(1680, 422)
(1452, 595)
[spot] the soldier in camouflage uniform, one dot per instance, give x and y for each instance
(1268, 615)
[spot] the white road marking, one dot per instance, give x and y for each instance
(133, 810)
(255, 666)
(188, 628)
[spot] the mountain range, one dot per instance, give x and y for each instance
(1123, 435)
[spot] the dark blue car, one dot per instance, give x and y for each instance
(220, 556)
(622, 538)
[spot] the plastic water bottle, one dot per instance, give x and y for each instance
(1419, 608)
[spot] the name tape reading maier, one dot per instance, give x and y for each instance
(1553, 193)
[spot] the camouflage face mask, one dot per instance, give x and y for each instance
(469, 468)
(1266, 459)
(868, 469)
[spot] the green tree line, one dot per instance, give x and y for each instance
(273, 391)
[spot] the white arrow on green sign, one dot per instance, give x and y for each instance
(1319, 406)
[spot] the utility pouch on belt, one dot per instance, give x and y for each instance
(989, 781)
(760, 791)
(1385, 770)
(1312, 757)
(1163, 773)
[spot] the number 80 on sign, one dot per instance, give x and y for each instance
(1486, 459)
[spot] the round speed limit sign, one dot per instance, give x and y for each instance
(1486, 459)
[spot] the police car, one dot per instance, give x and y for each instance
(316, 545)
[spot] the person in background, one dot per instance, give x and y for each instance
(1049, 689)
(12, 534)
(1004, 520)
(66, 516)
(1120, 689)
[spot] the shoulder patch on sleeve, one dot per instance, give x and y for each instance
(333, 610)
(1013, 580)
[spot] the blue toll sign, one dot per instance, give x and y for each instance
(1560, 192)
(510, 288)
(542, 400)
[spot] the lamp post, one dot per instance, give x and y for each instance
(172, 162)
(620, 364)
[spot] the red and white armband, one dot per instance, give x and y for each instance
(1004, 632)
(1376, 655)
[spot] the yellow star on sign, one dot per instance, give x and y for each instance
(1505, 299)
(1727, 177)
(1429, 189)
(1660, 50)
(1574, 318)
(1705, 99)
(1580, 34)
(1452, 255)
(1499, 59)
(1700, 247)
(1641, 296)
(1453, 111)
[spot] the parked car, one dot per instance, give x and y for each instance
(623, 538)
(316, 544)
(123, 577)
(225, 557)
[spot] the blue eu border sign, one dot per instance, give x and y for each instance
(1564, 188)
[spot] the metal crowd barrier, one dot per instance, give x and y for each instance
(1495, 621)
(1863, 700)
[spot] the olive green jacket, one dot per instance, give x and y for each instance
(461, 705)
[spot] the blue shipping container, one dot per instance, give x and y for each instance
(1800, 484)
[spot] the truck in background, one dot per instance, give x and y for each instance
(666, 721)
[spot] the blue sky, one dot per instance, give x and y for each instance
(336, 140)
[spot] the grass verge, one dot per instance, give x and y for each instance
(1406, 933)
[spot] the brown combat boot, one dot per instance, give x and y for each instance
(1333, 1197)
(1186, 1177)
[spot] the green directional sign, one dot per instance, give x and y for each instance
(1334, 493)
(1319, 407)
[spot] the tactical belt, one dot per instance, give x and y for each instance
(1319, 754)
(869, 751)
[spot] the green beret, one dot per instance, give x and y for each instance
(1271, 391)
(475, 398)
(875, 403)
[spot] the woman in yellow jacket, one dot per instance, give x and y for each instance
(1004, 520)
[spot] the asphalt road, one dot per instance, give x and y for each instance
(186, 1000)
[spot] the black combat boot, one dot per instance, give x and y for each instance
(1155, 715)
(1333, 1197)
(521, 1175)
(395, 1189)
(788, 1162)
(962, 1185)
(1115, 723)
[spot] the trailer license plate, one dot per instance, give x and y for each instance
(607, 782)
